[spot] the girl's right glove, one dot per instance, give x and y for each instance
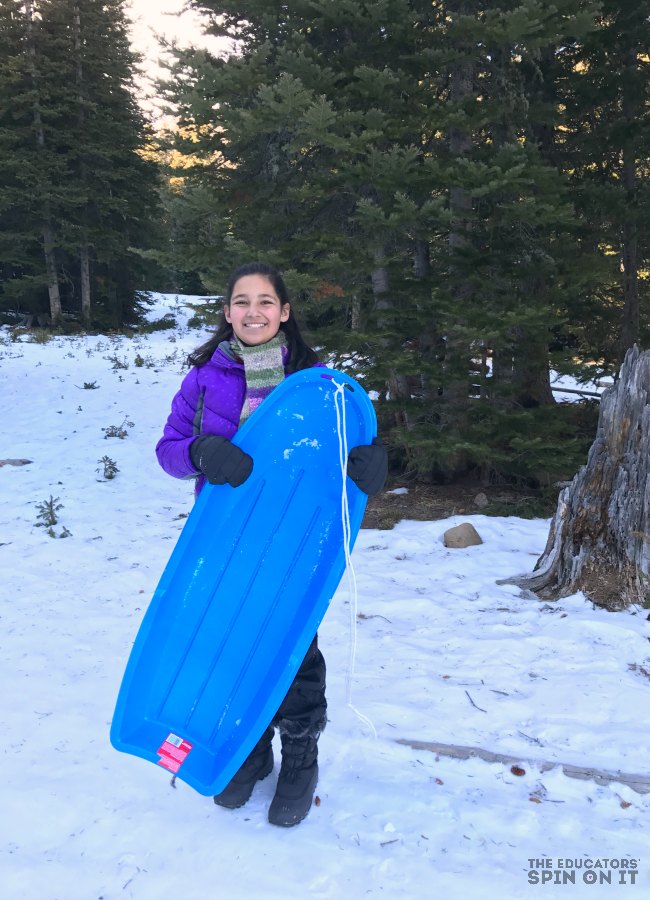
(220, 460)
(368, 466)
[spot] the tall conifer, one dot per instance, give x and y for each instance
(606, 152)
(402, 161)
(88, 180)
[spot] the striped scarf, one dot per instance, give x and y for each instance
(264, 370)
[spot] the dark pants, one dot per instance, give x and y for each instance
(303, 712)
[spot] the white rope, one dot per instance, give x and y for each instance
(341, 430)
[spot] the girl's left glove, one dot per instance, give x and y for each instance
(368, 466)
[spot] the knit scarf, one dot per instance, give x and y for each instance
(264, 370)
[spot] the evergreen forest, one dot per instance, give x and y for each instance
(456, 192)
(79, 191)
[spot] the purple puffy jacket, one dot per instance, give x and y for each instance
(209, 401)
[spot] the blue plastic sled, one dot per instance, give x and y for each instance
(246, 587)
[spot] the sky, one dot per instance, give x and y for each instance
(169, 19)
(445, 653)
(165, 17)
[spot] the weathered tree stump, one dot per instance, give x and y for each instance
(599, 540)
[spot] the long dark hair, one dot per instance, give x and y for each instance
(301, 355)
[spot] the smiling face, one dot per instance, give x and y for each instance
(255, 311)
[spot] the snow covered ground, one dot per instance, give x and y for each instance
(445, 654)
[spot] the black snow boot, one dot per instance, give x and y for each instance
(296, 782)
(258, 765)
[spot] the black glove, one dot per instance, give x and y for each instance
(220, 460)
(368, 467)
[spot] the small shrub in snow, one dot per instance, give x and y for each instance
(118, 431)
(107, 467)
(116, 362)
(40, 336)
(141, 361)
(47, 517)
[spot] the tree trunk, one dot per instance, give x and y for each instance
(47, 227)
(84, 252)
(421, 259)
(398, 386)
(632, 112)
(521, 372)
(461, 87)
(51, 268)
(599, 540)
(457, 357)
(531, 376)
(428, 339)
(84, 261)
(355, 314)
(533, 372)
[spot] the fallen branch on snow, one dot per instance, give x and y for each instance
(638, 783)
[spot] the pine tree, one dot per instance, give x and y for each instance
(30, 165)
(606, 151)
(399, 160)
(113, 188)
(94, 192)
(20, 253)
(302, 134)
(505, 253)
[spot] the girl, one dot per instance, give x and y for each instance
(255, 347)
